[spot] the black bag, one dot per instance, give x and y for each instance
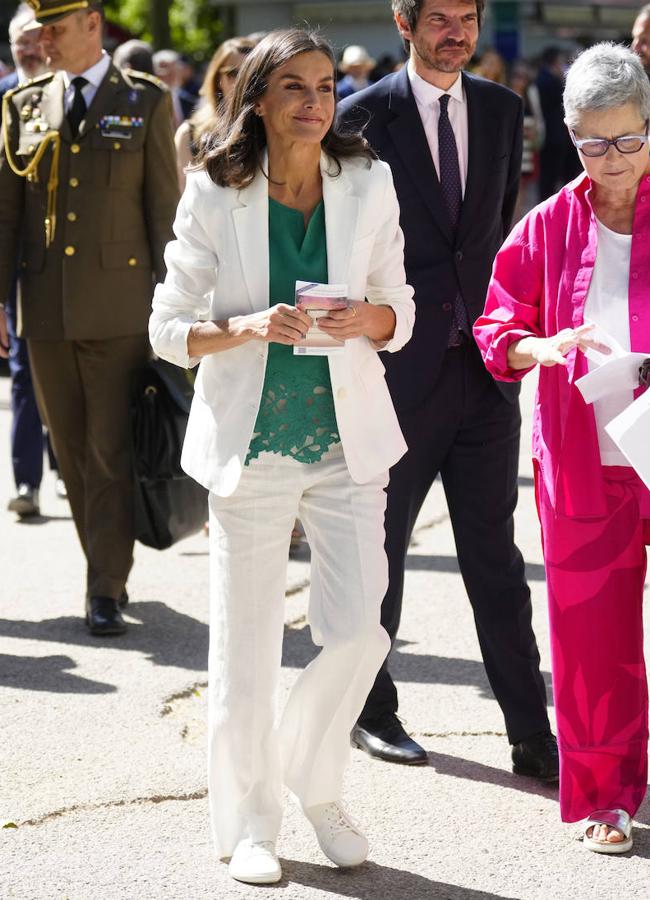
(169, 505)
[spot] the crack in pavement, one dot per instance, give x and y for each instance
(446, 734)
(194, 690)
(112, 804)
(296, 588)
(202, 794)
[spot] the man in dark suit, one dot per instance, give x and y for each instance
(558, 160)
(454, 142)
(641, 36)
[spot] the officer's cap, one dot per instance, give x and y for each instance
(46, 12)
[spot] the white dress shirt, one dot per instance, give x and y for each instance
(94, 76)
(427, 97)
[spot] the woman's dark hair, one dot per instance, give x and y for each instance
(232, 154)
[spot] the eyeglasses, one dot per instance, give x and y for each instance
(627, 143)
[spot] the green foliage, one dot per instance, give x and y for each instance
(134, 15)
(196, 26)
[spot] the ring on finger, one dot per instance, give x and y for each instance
(354, 311)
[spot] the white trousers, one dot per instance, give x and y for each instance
(251, 749)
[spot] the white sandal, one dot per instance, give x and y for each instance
(617, 819)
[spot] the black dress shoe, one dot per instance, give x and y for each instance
(387, 740)
(103, 616)
(537, 757)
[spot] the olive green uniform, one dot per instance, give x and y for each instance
(86, 287)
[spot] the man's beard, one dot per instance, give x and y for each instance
(436, 60)
(33, 66)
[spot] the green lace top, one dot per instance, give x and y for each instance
(296, 415)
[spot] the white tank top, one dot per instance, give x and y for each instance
(607, 305)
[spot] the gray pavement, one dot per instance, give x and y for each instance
(102, 761)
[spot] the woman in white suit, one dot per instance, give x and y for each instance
(281, 196)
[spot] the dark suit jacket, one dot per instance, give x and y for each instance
(8, 83)
(439, 263)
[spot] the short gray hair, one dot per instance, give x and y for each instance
(23, 16)
(607, 75)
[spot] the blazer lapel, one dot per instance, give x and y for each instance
(481, 131)
(408, 136)
(341, 216)
(251, 221)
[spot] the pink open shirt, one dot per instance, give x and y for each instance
(538, 287)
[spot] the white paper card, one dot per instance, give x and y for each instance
(617, 375)
(630, 431)
(317, 300)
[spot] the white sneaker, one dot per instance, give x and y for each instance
(255, 863)
(339, 838)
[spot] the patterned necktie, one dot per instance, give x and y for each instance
(78, 106)
(453, 193)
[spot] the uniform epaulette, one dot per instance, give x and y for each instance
(145, 76)
(41, 79)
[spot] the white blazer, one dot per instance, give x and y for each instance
(218, 267)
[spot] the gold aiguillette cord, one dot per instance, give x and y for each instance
(51, 137)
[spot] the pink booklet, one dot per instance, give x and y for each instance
(317, 300)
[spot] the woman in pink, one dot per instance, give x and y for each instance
(583, 256)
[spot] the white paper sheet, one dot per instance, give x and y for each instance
(617, 375)
(630, 431)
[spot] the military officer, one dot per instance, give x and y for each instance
(87, 167)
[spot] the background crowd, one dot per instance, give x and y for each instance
(196, 87)
(122, 182)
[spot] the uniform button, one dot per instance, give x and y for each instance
(341, 393)
(635, 275)
(117, 146)
(70, 250)
(75, 148)
(643, 199)
(446, 307)
(72, 217)
(635, 318)
(133, 261)
(74, 182)
(459, 255)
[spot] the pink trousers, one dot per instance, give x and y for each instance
(595, 570)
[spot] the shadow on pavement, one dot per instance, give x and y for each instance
(458, 767)
(47, 673)
(41, 520)
(167, 637)
(643, 815)
(371, 881)
(416, 668)
(425, 563)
